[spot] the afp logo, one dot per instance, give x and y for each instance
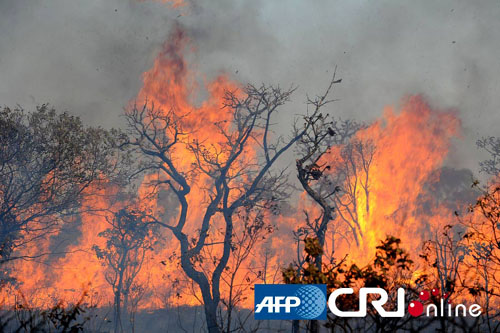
(290, 301)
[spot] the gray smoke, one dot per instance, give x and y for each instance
(87, 57)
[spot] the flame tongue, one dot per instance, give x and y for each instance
(411, 147)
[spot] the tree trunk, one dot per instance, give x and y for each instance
(211, 316)
(230, 307)
(118, 296)
(313, 326)
(118, 320)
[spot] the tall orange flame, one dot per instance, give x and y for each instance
(406, 149)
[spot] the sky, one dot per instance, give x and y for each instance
(87, 57)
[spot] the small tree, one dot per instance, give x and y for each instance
(353, 173)
(482, 238)
(130, 236)
(254, 229)
(323, 180)
(315, 174)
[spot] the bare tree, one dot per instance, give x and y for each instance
(47, 162)
(234, 182)
(130, 236)
(312, 172)
(353, 173)
(482, 237)
(321, 179)
(465, 256)
(492, 146)
(254, 229)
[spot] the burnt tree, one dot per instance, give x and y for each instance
(234, 183)
(130, 236)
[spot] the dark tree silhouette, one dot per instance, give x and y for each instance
(320, 179)
(491, 145)
(47, 161)
(234, 182)
(130, 236)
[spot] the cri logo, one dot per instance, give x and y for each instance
(363, 299)
(415, 308)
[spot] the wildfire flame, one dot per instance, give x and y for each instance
(407, 147)
(398, 155)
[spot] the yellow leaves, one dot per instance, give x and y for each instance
(290, 275)
(313, 247)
